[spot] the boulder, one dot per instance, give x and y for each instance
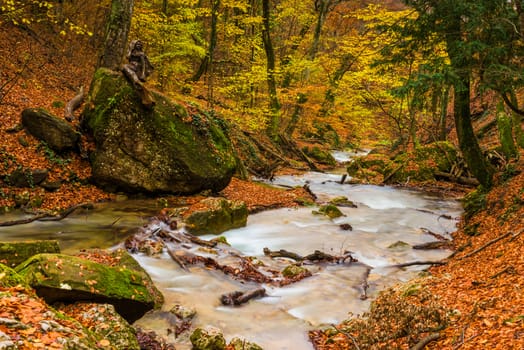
(9, 278)
(209, 338)
(55, 132)
(329, 210)
(242, 344)
(64, 278)
(164, 149)
(26, 177)
(216, 215)
(103, 320)
(14, 253)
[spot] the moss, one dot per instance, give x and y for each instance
(14, 253)
(474, 202)
(9, 277)
(330, 211)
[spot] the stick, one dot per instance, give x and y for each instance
(347, 335)
(176, 258)
(47, 216)
(493, 241)
(419, 263)
(238, 297)
(425, 341)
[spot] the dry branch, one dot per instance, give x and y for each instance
(493, 241)
(47, 216)
(413, 263)
(238, 297)
(425, 341)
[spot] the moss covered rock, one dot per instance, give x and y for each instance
(59, 277)
(208, 339)
(330, 211)
(14, 253)
(320, 155)
(9, 277)
(216, 216)
(293, 270)
(165, 149)
(241, 344)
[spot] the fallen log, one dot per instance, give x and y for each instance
(413, 263)
(48, 216)
(282, 253)
(469, 181)
(175, 256)
(239, 298)
(317, 256)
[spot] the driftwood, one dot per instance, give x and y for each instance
(365, 284)
(425, 341)
(73, 104)
(469, 181)
(436, 235)
(238, 297)
(200, 241)
(433, 245)
(413, 263)
(175, 256)
(317, 256)
(47, 216)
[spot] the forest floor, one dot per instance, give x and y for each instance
(483, 282)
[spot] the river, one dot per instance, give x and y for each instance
(280, 320)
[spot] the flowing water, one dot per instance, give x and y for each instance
(280, 320)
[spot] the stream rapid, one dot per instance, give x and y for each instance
(280, 320)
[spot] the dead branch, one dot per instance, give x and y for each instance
(493, 241)
(200, 241)
(239, 298)
(175, 256)
(48, 216)
(347, 335)
(365, 284)
(433, 245)
(510, 269)
(436, 235)
(413, 263)
(282, 253)
(73, 104)
(425, 341)
(469, 181)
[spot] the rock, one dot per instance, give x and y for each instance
(64, 278)
(320, 155)
(165, 149)
(293, 270)
(399, 245)
(183, 312)
(216, 216)
(9, 277)
(25, 316)
(330, 211)
(342, 201)
(208, 339)
(241, 344)
(103, 320)
(14, 253)
(55, 132)
(26, 177)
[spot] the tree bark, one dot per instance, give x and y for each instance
(207, 61)
(117, 31)
(274, 104)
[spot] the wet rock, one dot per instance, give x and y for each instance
(216, 216)
(55, 132)
(399, 245)
(103, 320)
(14, 253)
(342, 201)
(166, 149)
(63, 278)
(330, 211)
(208, 339)
(183, 312)
(242, 344)
(293, 270)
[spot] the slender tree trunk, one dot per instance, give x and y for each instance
(517, 122)
(443, 114)
(322, 7)
(117, 31)
(207, 61)
(274, 104)
(346, 63)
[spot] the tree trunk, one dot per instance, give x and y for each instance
(468, 143)
(322, 7)
(517, 122)
(207, 61)
(274, 104)
(505, 133)
(117, 31)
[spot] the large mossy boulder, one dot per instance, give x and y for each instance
(14, 253)
(64, 278)
(165, 149)
(58, 134)
(216, 215)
